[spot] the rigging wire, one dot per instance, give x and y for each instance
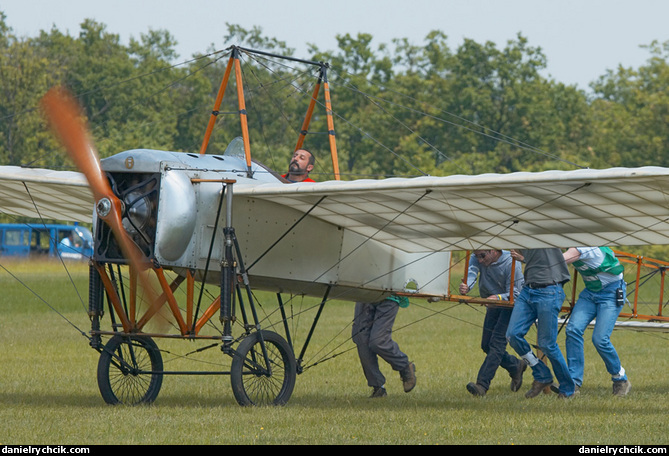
(512, 222)
(480, 129)
(31, 290)
(363, 133)
(54, 242)
(505, 139)
(377, 101)
(288, 81)
(120, 83)
(468, 125)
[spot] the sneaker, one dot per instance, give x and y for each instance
(537, 388)
(476, 389)
(379, 391)
(517, 378)
(408, 376)
(621, 388)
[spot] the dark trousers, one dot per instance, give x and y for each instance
(493, 343)
(372, 333)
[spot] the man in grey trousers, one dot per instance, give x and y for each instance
(372, 334)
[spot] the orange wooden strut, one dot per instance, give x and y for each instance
(307, 118)
(190, 287)
(640, 261)
(662, 275)
(113, 297)
(242, 112)
(331, 130)
(322, 79)
(167, 296)
(513, 280)
(171, 301)
(217, 106)
(210, 312)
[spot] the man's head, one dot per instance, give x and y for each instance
(301, 165)
(487, 257)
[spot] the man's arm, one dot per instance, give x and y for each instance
(572, 254)
(472, 274)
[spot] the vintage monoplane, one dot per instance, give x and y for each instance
(227, 221)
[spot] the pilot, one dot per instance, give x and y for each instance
(372, 334)
(540, 301)
(300, 166)
(601, 300)
(493, 267)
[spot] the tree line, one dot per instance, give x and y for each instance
(398, 109)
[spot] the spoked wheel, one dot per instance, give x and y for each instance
(130, 371)
(263, 370)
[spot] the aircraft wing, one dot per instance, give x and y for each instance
(617, 206)
(47, 194)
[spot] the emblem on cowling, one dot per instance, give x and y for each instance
(129, 162)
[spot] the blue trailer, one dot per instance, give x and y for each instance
(45, 240)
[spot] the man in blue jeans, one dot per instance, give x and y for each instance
(541, 300)
(494, 270)
(602, 299)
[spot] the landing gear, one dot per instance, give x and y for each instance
(263, 370)
(130, 371)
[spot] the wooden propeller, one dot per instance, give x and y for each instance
(67, 121)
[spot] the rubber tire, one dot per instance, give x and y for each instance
(119, 387)
(258, 389)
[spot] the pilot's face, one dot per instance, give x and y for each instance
(300, 162)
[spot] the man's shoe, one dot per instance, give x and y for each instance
(565, 397)
(408, 376)
(537, 388)
(621, 388)
(378, 391)
(517, 378)
(476, 389)
(556, 389)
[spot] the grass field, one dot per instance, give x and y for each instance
(49, 394)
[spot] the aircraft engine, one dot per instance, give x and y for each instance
(139, 195)
(146, 190)
(166, 212)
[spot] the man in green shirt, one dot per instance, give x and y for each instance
(601, 300)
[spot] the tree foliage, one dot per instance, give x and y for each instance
(398, 108)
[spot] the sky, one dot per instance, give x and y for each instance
(581, 39)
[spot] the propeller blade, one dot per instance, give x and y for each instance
(67, 121)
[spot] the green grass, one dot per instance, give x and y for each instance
(49, 395)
